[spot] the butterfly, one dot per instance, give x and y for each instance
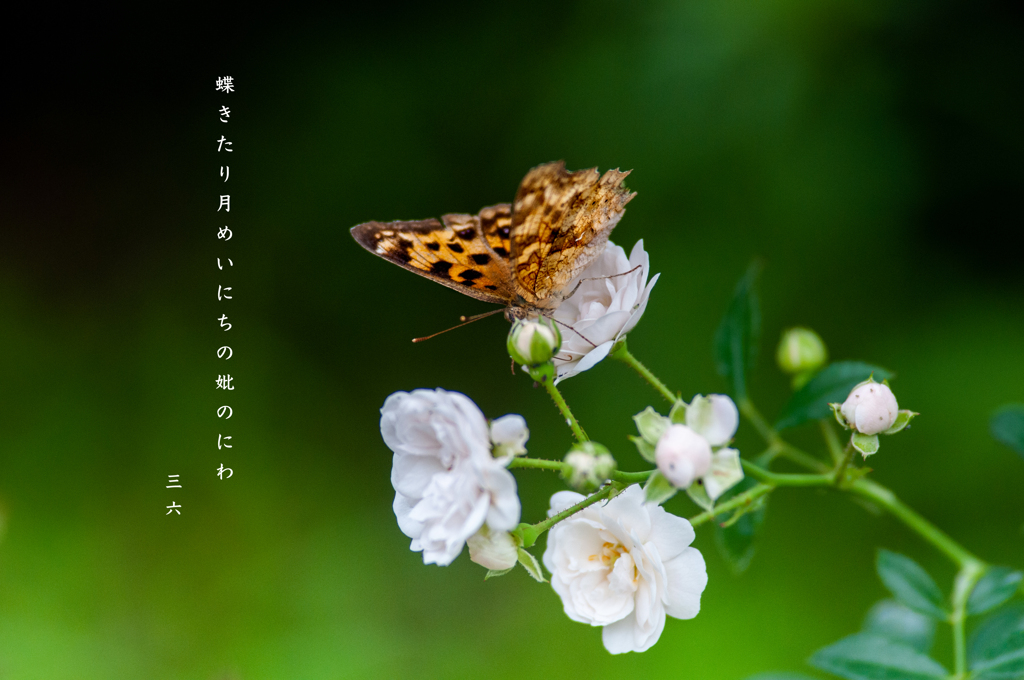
(521, 255)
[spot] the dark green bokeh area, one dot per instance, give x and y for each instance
(869, 152)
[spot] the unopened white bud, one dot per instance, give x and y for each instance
(591, 464)
(495, 550)
(533, 342)
(509, 435)
(801, 350)
(871, 408)
(682, 455)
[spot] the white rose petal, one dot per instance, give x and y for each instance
(602, 310)
(447, 484)
(715, 417)
(871, 408)
(624, 565)
(726, 472)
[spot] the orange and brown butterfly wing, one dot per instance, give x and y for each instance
(454, 253)
(496, 225)
(560, 222)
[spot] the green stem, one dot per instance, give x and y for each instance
(879, 495)
(741, 500)
(561, 467)
(772, 438)
(779, 479)
(750, 412)
(621, 353)
(545, 375)
(841, 466)
(628, 478)
(539, 464)
(531, 532)
(835, 447)
(966, 579)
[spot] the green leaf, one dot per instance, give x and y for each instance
(651, 425)
(996, 649)
(832, 384)
(996, 587)
(911, 584)
(737, 336)
(867, 444)
(531, 565)
(736, 542)
(658, 489)
(699, 495)
(678, 413)
(903, 418)
(780, 676)
(492, 573)
(645, 448)
(1007, 427)
(870, 657)
(893, 621)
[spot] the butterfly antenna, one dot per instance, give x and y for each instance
(465, 321)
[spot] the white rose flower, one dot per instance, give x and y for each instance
(624, 565)
(602, 310)
(447, 484)
(871, 408)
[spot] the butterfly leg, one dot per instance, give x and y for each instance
(562, 323)
(598, 278)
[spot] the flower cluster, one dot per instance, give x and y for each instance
(616, 558)
(625, 564)
(448, 485)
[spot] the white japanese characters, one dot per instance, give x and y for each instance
(226, 85)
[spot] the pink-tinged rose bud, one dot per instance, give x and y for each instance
(871, 408)
(682, 455)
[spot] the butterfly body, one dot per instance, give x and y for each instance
(521, 255)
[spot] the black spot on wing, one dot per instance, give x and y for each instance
(488, 287)
(402, 255)
(467, 283)
(466, 234)
(455, 247)
(504, 232)
(470, 275)
(440, 268)
(482, 258)
(434, 245)
(500, 252)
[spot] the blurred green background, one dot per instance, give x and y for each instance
(869, 151)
